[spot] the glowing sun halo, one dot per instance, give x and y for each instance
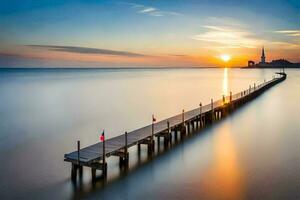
(225, 57)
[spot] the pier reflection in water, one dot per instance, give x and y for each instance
(236, 158)
(224, 175)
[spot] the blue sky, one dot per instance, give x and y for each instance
(166, 33)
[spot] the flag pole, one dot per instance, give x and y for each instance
(152, 136)
(152, 126)
(103, 146)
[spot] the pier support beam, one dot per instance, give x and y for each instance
(74, 172)
(212, 110)
(93, 171)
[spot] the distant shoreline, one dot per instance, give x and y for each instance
(114, 68)
(288, 67)
(136, 68)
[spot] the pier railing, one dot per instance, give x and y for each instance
(94, 156)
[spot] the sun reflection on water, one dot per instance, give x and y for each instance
(225, 81)
(224, 179)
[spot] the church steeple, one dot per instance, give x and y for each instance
(263, 57)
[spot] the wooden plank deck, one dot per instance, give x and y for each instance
(94, 153)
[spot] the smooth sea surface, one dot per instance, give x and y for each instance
(252, 154)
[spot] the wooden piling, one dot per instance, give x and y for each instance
(183, 126)
(80, 169)
(169, 132)
(93, 171)
(74, 172)
(104, 165)
(175, 134)
(212, 109)
(78, 152)
(126, 158)
(151, 145)
(103, 149)
(200, 115)
(126, 145)
(152, 130)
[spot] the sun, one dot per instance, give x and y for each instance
(225, 57)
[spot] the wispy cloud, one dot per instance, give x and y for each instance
(152, 11)
(87, 50)
(293, 33)
(228, 37)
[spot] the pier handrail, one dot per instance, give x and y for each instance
(91, 155)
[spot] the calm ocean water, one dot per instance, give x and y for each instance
(252, 154)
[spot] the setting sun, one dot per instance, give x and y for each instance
(225, 57)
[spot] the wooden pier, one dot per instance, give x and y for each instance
(94, 156)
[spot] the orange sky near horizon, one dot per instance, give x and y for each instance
(148, 33)
(204, 57)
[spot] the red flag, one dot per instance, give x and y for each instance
(102, 136)
(153, 118)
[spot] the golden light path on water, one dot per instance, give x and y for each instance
(225, 81)
(225, 174)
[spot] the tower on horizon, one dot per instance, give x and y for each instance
(263, 57)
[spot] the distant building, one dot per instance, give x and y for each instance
(280, 63)
(263, 57)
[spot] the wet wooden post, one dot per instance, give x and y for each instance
(93, 174)
(175, 134)
(126, 158)
(183, 128)
(139, 148)
(104, 166)
(254, 86)
(78, 152)
(167, 135)
(76, 166)
(152, 140)
(78, 159)
(152, 135)
(126, 148)
(200, 115)
(169, 132)
(74, 172)
(212, 109)
(230, 100)
(103, 148)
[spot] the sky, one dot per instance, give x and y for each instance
(147, 33)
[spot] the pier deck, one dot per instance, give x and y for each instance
(94, 156)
